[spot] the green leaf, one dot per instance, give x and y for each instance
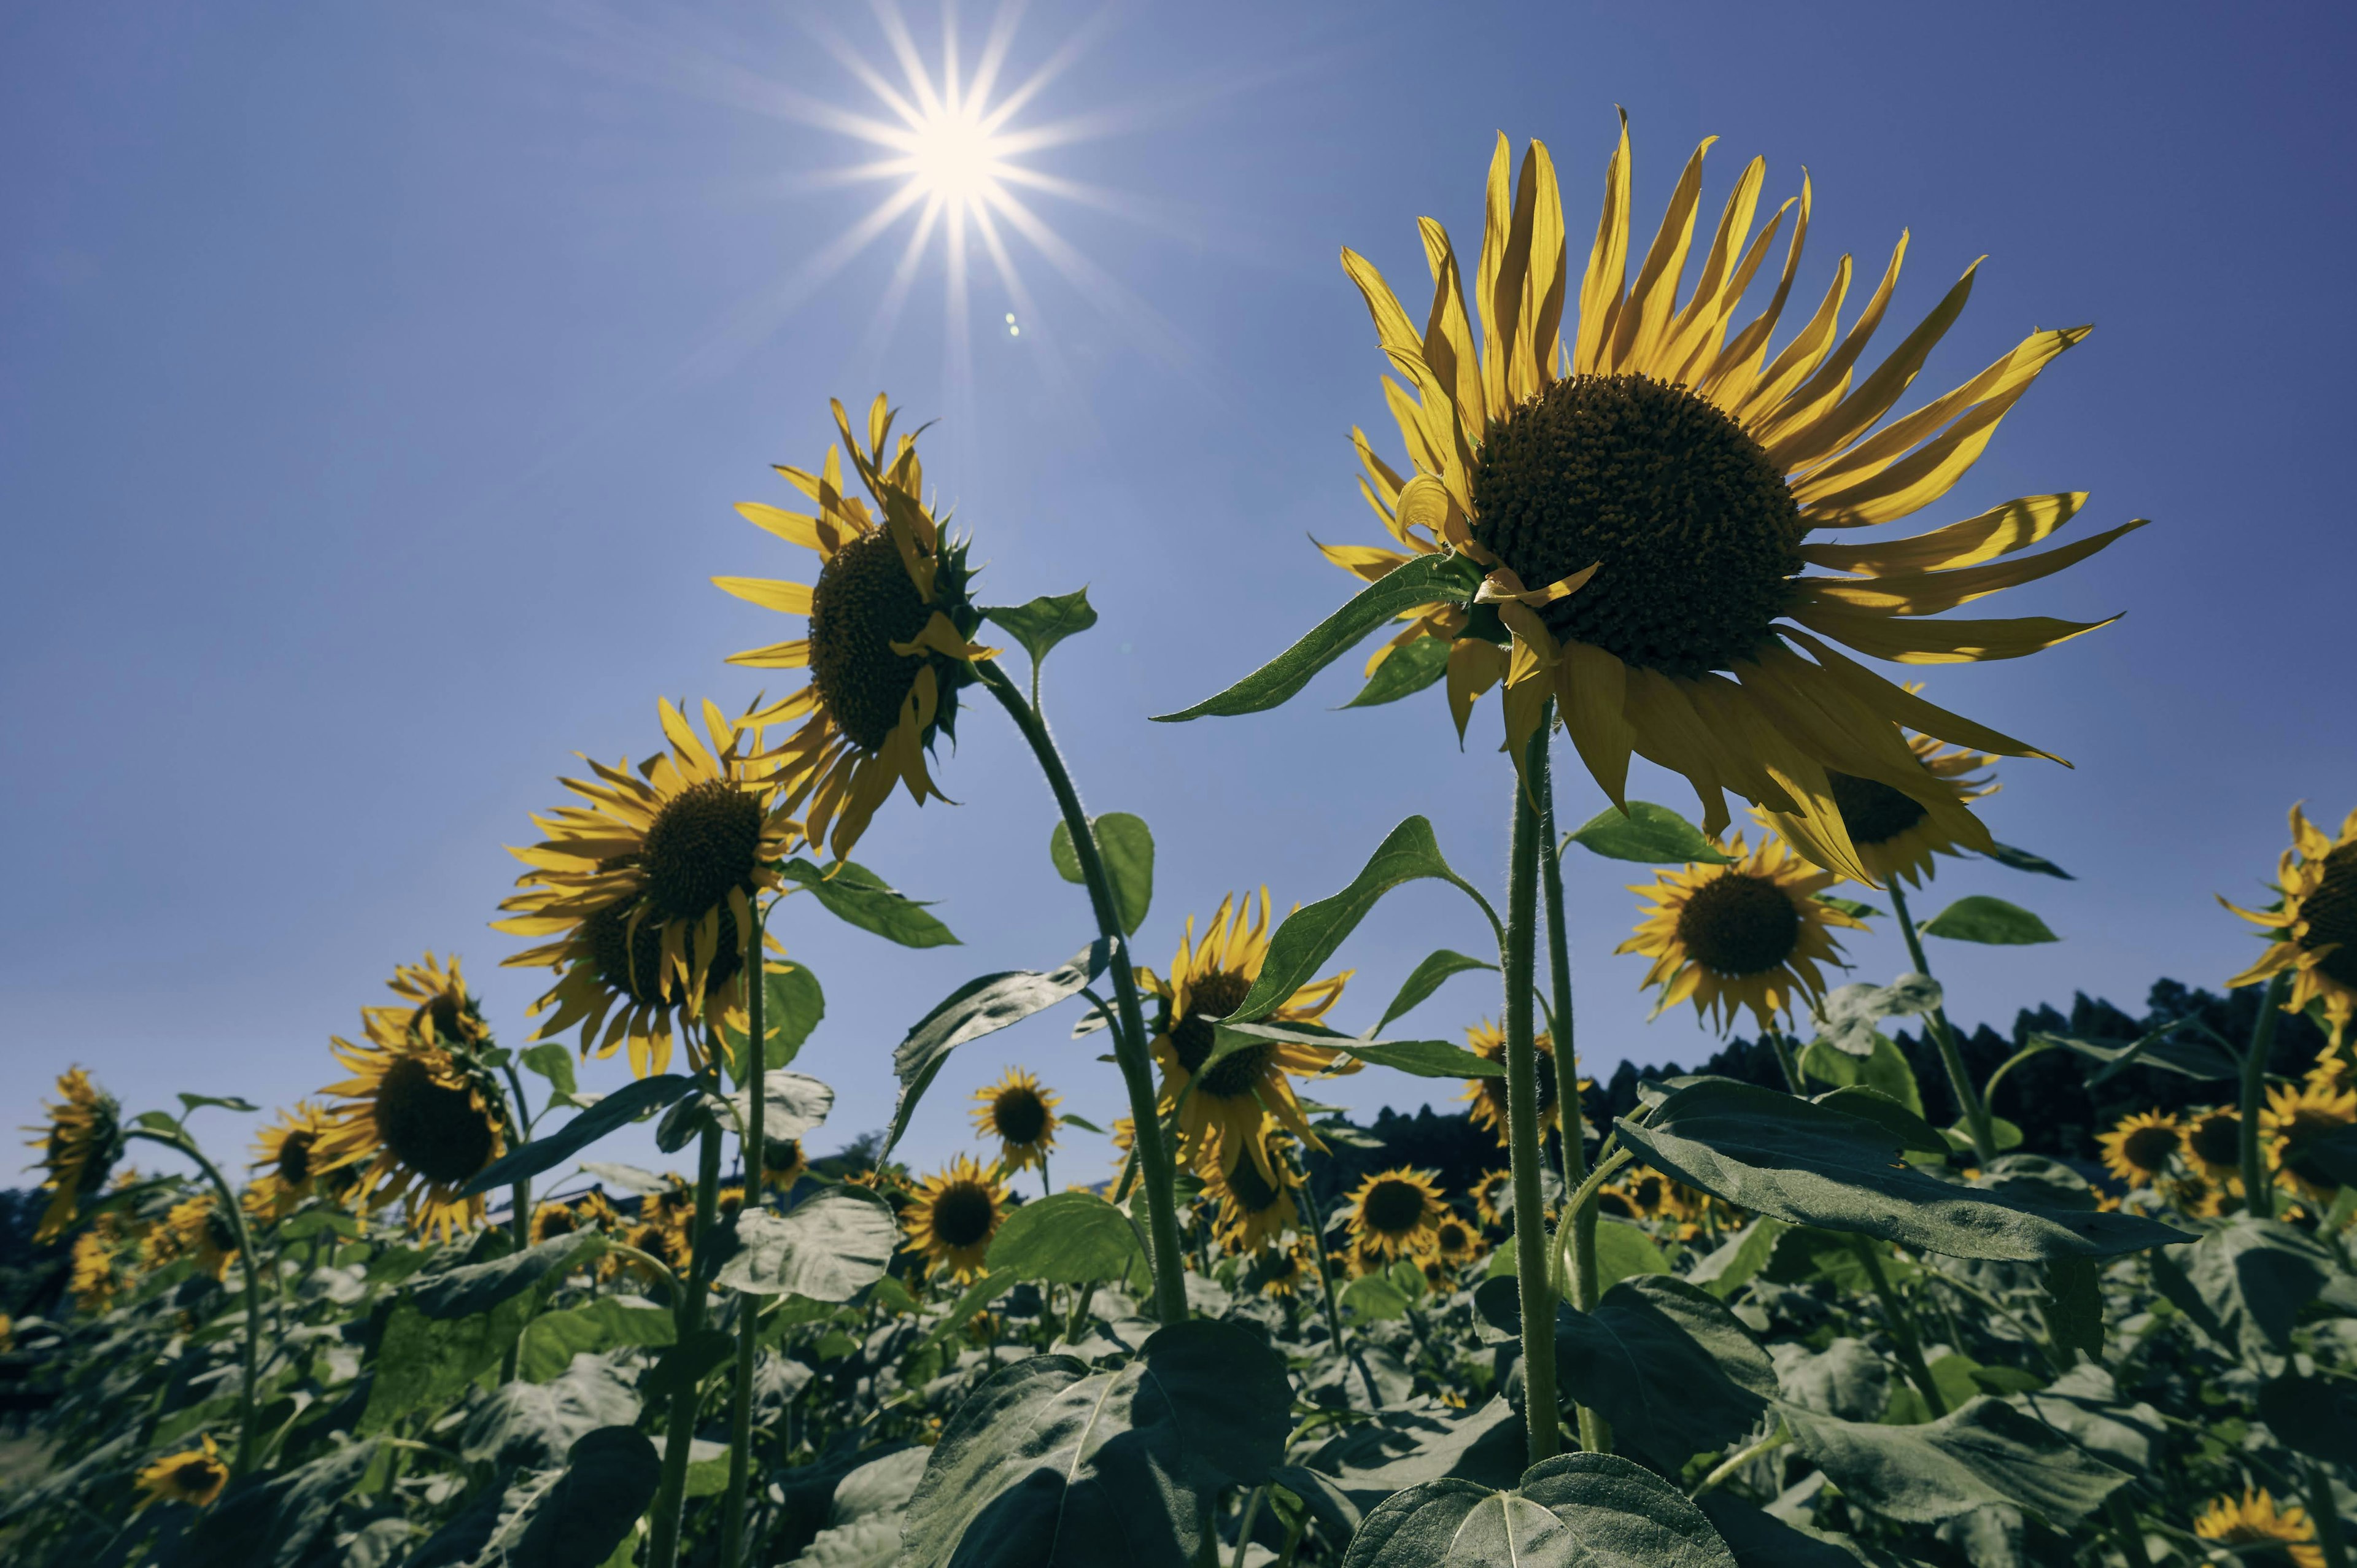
(793, 1002)
(1774, 1155)
(1407, 670)
(1082, 1123)
(1738, 1258)
(1650, 834)
(1807, 1252)
(428, 1361)
(1985, 1455)
(2072, 1305)
(1845, 1380)
(1374, 1298)
(1981, 918)
(1576, 1511)
(1425, 979)
(1051, 1462)
(1044, 622)
(1624, 1251)
(1399, 1446)
(829, 1247)
(2003, 1135)
(1915, 1135)
(2243, 1283)
(2316, 1416)
(617, 1110)
(1761, 1540)
(314, 1222)
(976, 1296)
(980, 1006)
(268, 1520)
(554, 1063)
(2022, 860)
(1126, 846)
(2190, 1055)
(577, 1517)
(686, 1364)
(1852, 908)
(1847, 1016)
(1669, 1367)
(1310, 934)
(1068, 1237)
(1425, 1058)
(554, 1338)
(226, 1102)
(531, 1426)
(856, 896)
(471, 1288)
(1442, 578)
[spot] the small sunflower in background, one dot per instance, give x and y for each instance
(1021, 1115)
(2254, 1520)
(2313, 931)
(1639, 485)
(2294, 1118)
(1641, 1195)
(891, 620)
(1896, 833)
(659, 1239)
(419, 1121)
(727, 1203)
(1283, 1271)
(1454, 1241)
(93, 1269)
(2140, 1148)
(1253, 1211)
(1488, 1041)
(201, 1232)
(1748, 934)
(441, 1010)
(194, 1477)
(784, 1162)
(955, 1213)
(1493, 1196)
(79, 1144)
(2215, 1143)
(2197, 1196)
(286, 1155)
(647, 887)
(1224, 1113)
(1395, 1212)
(551, 1221)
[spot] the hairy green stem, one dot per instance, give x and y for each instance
(1524, 1154)
(1734, 1462)
(679, 1434)
(1129, 1040)
(1943, 1037)
(753, 1142)
(249, 1364)
(2258, 1188)
(1901, 1322)
(1252, 1512)
(1785, 1058)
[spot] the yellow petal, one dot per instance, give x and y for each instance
(792, 598)
(794, 527)
(1638, 334)
(1600, 286)
(1591, 689)
(1934, 593)
(2000, 531)
(1879, 636)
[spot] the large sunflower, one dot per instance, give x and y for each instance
(953, 1216)
(2254, 1520)
(1224, 1113)
(1488, 1041)
(1254, 1211)
(1394, 1213)
(2295, 1117)
(1896, 833)
(287, 1153)
(2315, 930)
(1021, 1115)
(648, 889)
(418, 1120)
(1748, 934)
(890, 621)
(1635, 503)
(2138, 1148)
(79, 1143)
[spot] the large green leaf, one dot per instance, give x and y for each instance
(856, 896)
(1408, 669)
(533, 1425)
(625, 1105)
(864, 1517)
(1649, 835)
(829, 1247)
(2163, 1048)
(1774, 1155)
(478, 1287)
(1126, 846)
(980, 1006)
(1980, 919)
(1576, 1511)
(2086, 1403)
(1915, 1135)
(1845, 1019)
(554, 1338)
(1884, 1070)
(1399, 1446)
(1049, 1465)
(268, 1520)
(2243, 1283)
(1985, 1455)
(1420, 1058)
(1845, 1380)
(1044, 622)
(429, 1361)
(1624, 1251)
(1374, 1298)
(1070, 1238)
(2318, 1416)
(1668, 1365)
(1308, 936)
(572, 1517)
(1761, 1540)
(1425, 979)
(1427, 580)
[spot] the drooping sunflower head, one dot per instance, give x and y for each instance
(287, 1161)
(1395, 1212)
(441, 1010)
(2312, 930)
(783, 1163)
(2215, 1142)
(2254, 1520)
(79, 1145)
(1228, 1102)
(1897, 832)
(1621, 503)
(1641, 1195)
(1488, 1041)
(202, 1229)
(892, 623)
(647, 887)
(1494, 1197)
(2138, 1148)
(955, 1213)
(1748, 934)
(418, 1122)
(1253, 1211)
(2297, 1118)
(194, 1477)
(1020, 1114)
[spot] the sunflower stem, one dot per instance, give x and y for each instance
(1903, 1327)
(1943, 1037)
(2130, 1531)
(679, 1435)
(1129, 1040)
(1782, 1046)
(250, 1360)
(752, 1144)
(2258, 1190)
(2326, 1514)
(1523, 1152)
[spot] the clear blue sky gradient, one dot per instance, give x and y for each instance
(375, 381)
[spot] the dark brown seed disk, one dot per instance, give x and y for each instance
(1872, 810)
(1394, 1207)
(2331, 912)
(1737, 924)
(434, 1128)
(862, 604)
(1215, 995)
(2149, 1148)
(963, 1214)
(703, 844)
(631, 962)
(1018, 1115)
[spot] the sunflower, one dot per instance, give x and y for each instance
(2315, 928)
(2138, 1148)
(79, 1145)
(1493, 1196)
(551, 1221)
(659, 1239)
(1284, 1270)
(1021, 1115)
(1746, 934)
(442, 1011)
(2254, 1520)
(648, 889)
(195, 1477)
(2198, 1197)
(1395, 1212)
(890, 620)
(1253, 1212)
(1638, 498)
(783, 1163)
(422, 1120)
(1225, 1115)
(2215, 1142)
(287, 1153)
(1454, 1241)
(2295, 1117)
(1489, 1094)
(728, 1203)
(1896, 833)
(1642, 1195)
(955, 1213)
(91, 1274)
(200, 1230)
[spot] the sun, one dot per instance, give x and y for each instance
(955, 159)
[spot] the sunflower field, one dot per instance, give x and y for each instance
(1830, 1304)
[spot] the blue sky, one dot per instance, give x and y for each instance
(375, 383)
